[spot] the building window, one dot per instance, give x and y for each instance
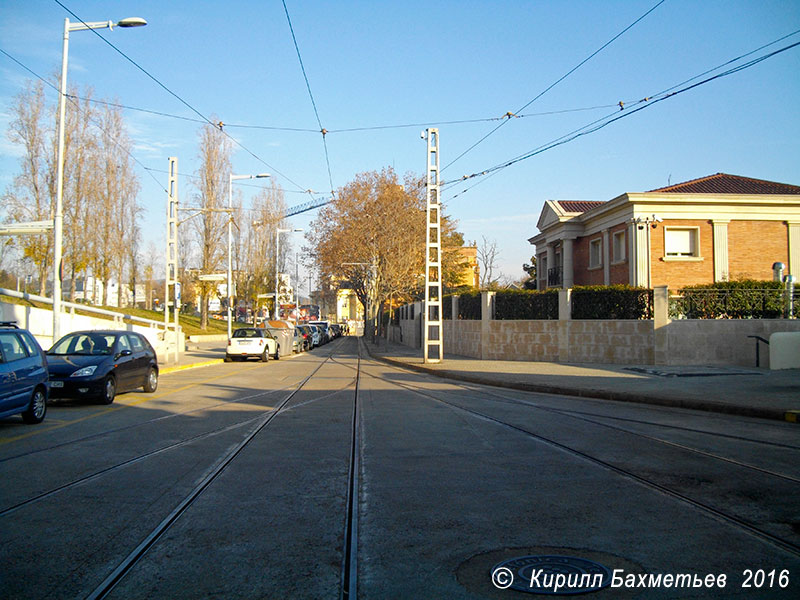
(681, 242)
(596, 253)
(618, 247)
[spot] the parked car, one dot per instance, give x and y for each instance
(324, 330)
(23, 374)
(298, 341)
(308, 336)
(100, 364)
(248, 342)
(316, 335)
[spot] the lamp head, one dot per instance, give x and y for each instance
(132, 22)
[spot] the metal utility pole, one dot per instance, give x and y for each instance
(433, 348)
(171, 278)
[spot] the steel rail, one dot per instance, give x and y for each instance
(108, 584)
(718, 514)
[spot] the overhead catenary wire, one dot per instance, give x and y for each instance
(554, 84)
(181, 100)
(322, 130)
(609, 119)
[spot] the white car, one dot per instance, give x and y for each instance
(252, 342)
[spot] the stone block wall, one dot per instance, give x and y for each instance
(644, 342)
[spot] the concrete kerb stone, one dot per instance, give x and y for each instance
(206, 363)
(600, 394)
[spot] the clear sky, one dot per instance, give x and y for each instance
(374, 64)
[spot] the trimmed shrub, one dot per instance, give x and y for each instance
(511, 305)
(745, 299)
(469, 306)
(447, 308)
(612, 302)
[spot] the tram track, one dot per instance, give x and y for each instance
(349, 550)
(722, 515)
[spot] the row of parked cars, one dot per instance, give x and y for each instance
(92, 365)
(262, 342)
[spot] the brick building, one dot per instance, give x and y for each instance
(716, 228)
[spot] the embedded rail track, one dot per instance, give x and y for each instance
(346, 414)
(723, 515)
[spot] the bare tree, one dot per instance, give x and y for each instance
(256, 255)
(31, 197)
(487, 259)
(81, 181)
(211, 225)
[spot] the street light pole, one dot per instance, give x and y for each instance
(58, 220)
(278, 233)
(231, 179)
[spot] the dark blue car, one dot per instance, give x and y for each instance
(23, 374)
(99, 364)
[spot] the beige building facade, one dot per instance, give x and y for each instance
(717, 228)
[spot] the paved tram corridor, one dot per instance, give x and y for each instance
(329, 475)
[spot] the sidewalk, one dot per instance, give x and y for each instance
(732, 390)
(198, 354)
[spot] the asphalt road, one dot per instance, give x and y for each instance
(329, 475)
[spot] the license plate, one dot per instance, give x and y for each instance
(57, 384)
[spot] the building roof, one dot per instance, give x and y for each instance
(578, 206)
(722, 183)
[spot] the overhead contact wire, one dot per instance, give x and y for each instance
(555, 83)
(322, 130)
(181, 100)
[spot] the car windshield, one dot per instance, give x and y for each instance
(86, 344)
(248, 332)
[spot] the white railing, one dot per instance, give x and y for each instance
(167, 333)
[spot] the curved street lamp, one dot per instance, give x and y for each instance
(58, 221)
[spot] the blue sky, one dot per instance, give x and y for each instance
(377, 64)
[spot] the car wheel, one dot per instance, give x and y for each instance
(265, 355)
(151, 383)
(109, 390)
(37, 408)
(228, 358)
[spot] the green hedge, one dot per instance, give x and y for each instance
(611, 302)
(520, 305)
(469, 306)
(447, 308)
(745, 299)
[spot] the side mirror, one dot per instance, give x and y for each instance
(124, 353)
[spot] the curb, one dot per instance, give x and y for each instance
(741, 411)
(196, 365)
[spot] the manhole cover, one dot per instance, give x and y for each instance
(551, 574)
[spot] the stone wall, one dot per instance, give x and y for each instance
(660, 341)
(722, 341)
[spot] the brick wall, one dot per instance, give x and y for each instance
(580, 258)
(753, 246)
(682, 273)
(619, 273)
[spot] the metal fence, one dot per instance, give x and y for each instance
(734, 304)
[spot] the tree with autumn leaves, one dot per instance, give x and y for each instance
(371, 238)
